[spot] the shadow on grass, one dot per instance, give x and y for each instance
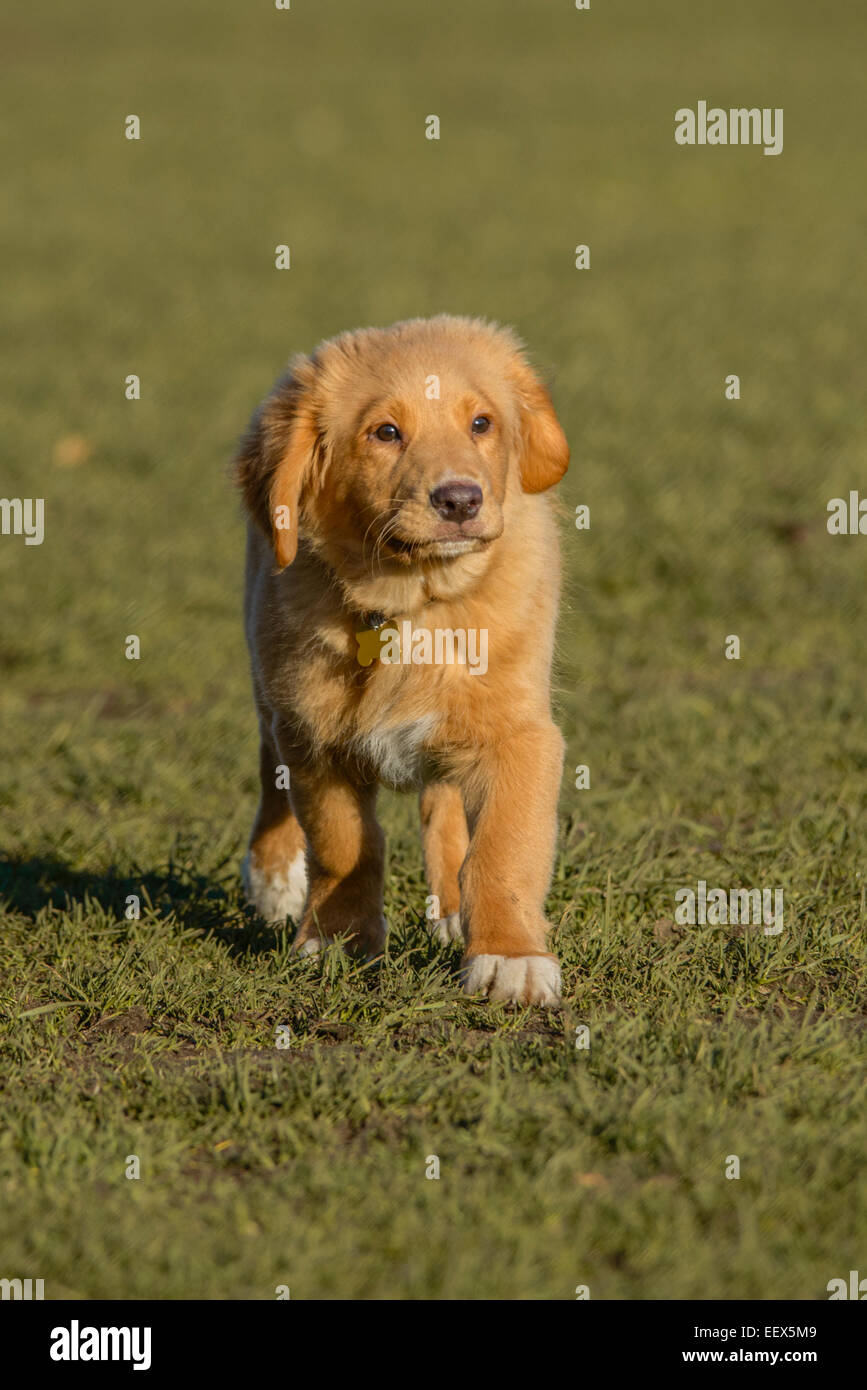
(210, 904)
(196, 901)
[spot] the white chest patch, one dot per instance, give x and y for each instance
(395, 755)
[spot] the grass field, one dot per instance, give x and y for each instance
(305, 1166)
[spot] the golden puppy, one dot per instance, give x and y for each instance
(402, 578)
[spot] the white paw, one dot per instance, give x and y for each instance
(447, 929)
(279, 895)
(514, 979)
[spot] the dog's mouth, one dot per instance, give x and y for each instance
(424, 548)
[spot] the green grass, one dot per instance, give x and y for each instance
(306, 1166)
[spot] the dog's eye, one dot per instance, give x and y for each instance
(481, 424)
(388, 433)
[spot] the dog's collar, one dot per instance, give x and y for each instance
(373, 620)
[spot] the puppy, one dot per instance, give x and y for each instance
(401, 597)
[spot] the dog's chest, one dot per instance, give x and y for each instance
(396, 754)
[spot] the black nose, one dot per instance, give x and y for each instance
(456, 501)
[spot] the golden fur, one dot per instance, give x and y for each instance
(342, 527)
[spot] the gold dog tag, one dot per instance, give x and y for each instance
(369, 644)
(370, 639)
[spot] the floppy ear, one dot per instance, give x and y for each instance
(544, 450)
(284, 497)
(276, 456)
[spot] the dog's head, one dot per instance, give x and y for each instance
(389, 447)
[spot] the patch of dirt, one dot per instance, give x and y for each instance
(129, 1024)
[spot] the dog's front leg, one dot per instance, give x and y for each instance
(445, 841)
(345, 861)
(511, 796)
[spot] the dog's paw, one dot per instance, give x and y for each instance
(367, 944)
(514, 979)
(447, 929)
(279, 895)
(311, 947)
